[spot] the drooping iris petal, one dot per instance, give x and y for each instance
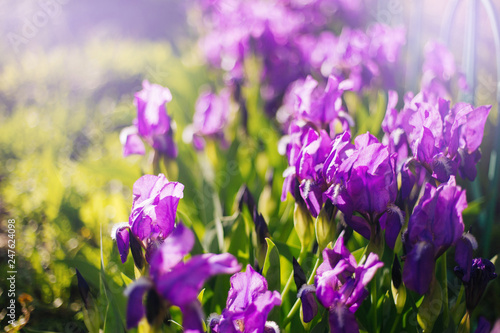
(342, 320)
(312, 193)
(435, 225)
(131, 141)
(463, 256)
(174, 248)
(419, 265)
(181, 285)
(392, 221)
(483, 326)
(309, 304)
(192, 318)
(359, 224)
(178, 285)
(122, 240)
(135, 307)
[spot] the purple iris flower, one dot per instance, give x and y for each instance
(464, 249)
(176, 282)
(308, 169)
(444, 140)
(365, 182)
(395, 137)
(210, 119)
(341, 285)
(439, 71)
(153, 214)
(365, 58)
(483, 326)
(306, 159)
(463, 134)
(152, 124)
(435, 225)
(474, 273)
(279, 33)
(322, 106)
(248, 305)
(481, 273)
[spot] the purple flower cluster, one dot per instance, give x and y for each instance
(440, 72)
(367, 59)
(443, 139)
(152, 124)
(357, 178)
(401, 190)
(293, 38)
(427, 144)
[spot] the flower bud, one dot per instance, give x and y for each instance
(304, 225)
(83, 288)
(262, 233)
(136, 249)
(325, 225)
(397, 287)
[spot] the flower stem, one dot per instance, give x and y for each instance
(374, 304)
(396, 322)
(444, 283)
(156, 163)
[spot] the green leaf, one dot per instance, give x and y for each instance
(359, 253)
(430, 308)
(322, 326)
(126, 279)
(271, 269)
(378, 116)
(200, 295)
(112, 321)
(239, 241)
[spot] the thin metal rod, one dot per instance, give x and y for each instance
(449, 15)
(469, 65)
(494, 168)
(470, 52)
(414, 50)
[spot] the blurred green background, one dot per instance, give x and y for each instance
(66, 93)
